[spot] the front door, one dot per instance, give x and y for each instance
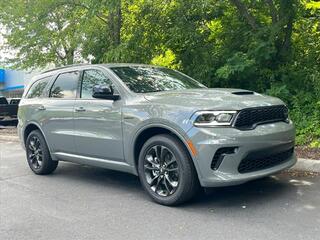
(97, 122)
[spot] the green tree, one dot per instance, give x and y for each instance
(270, 46)
(41, 32)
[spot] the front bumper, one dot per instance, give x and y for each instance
(263, 138)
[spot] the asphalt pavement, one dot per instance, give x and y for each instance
(80, 202)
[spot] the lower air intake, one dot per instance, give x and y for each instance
(252, 164)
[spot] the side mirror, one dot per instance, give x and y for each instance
(104, 92)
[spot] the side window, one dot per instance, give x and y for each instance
(37, 88)
(90, 79)
(3, 100)
(65, 85)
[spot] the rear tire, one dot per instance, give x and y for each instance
(166, 171)
(38, 155)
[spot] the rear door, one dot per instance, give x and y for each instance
(57, 122)
(97, 121)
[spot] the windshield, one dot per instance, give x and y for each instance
(142, 79)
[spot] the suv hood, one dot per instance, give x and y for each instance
(213, 99)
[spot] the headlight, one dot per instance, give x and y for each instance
(213, 118)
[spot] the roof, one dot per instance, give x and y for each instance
(108, 65)
(59, 68)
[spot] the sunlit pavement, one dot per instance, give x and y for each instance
(79, 202)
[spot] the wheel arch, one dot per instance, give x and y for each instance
(152, 130)
(29, 128)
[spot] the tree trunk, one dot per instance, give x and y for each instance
(244, 12)
(118, 24)
(286, 18)
(115, 23)
(69, 56)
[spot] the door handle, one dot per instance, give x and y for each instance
(80, 109)
(41, 108)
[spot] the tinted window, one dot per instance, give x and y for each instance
(92, 78)
(65, 85)
(141, 79)
(15, 101)
(36, 90)
(3, 100)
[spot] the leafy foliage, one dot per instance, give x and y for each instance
(270, 46)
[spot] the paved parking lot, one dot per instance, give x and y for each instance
(79, 202)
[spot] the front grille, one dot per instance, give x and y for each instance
(252, 163)
(250, 117)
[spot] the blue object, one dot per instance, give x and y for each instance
(2, 74)
(13, 88)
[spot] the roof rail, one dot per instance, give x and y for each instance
(67, 66)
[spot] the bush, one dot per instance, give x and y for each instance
(304, 112)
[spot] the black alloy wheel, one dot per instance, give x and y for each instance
(166, 170)
(38, 155)
(161, 170)
(35, 155)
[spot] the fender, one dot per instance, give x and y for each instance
(182, 136)
(39, 127)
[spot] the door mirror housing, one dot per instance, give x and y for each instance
(105, 92)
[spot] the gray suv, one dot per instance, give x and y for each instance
(173, 132)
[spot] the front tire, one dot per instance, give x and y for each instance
(38, 155)
(166, 171)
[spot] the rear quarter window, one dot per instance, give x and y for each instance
(37, 88)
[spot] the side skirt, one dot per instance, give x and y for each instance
(97, 162)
